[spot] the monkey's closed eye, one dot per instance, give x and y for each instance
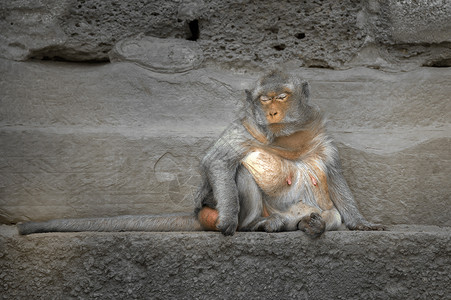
(281, 96)
(264, 98)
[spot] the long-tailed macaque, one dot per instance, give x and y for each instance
(274, 169)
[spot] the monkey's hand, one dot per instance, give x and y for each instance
(227, 224)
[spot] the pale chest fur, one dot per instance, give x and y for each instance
(286, 181)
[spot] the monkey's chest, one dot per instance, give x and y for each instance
(287, 182)
(272, 174)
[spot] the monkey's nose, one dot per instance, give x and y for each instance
(273, 114)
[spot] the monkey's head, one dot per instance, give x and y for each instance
(279, 99)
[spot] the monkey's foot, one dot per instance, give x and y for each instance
(313, 225)
(208, 218)
(368, 227)
(272, 223)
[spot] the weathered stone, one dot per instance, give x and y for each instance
(119, 96)
(234, 33)
(108, 139)
(403, 35)
(309, 33)
(403, 263)
(50, 173)
(27, 26)
(402, 57)
(159, 55)
(405, 187)
(122, 95)
(87, 140)
(80, 30)
(410, 22)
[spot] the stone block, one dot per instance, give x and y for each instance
(27, 26)
(411, 22)
(108, 139)
(229, 32)
(403, 263)
(404, 35)
(234, 33)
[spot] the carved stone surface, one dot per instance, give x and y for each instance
(159, 55)
(180, 175)
(100, 140)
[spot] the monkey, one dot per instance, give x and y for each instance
(273, 169)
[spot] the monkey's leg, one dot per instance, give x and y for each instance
(309, 220)
(280, 221)
(332, 218)
(225, 193)
(250, 195)
(273, 223)
(306, 218)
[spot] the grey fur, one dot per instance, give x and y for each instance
(228, 187)
(174, 222)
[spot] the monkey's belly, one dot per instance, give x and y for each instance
(271, 173)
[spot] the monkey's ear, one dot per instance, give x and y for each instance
(305, 90)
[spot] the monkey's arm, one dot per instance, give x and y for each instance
(220, 165)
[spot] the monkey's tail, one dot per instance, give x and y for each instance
(179, 222)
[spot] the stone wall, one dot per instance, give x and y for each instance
(107, 106)
(237, 33)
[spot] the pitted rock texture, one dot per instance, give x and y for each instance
(409, 22)
(109, 139)
(87, 29)
(313, 33)
(403, 35)
(411, 262)
(236, 33)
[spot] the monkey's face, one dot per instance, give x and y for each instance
(278, 99)
(275, 105)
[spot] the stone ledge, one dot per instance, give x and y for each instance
(407, 262)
